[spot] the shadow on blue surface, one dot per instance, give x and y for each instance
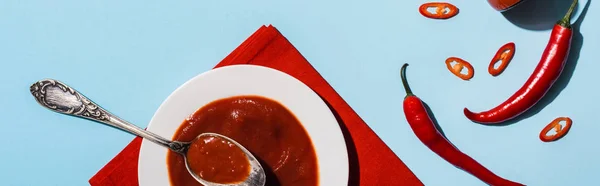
(537, 14)
(435, 122)
(567, 73)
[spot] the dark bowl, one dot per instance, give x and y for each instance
(503, 5)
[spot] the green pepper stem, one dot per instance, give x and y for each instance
(404, 81)
(566, 21)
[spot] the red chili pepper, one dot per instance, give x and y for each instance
(545, 74)
(424, 128)
(560, 131)
(442, 10)
(503, 56)
(456, 69)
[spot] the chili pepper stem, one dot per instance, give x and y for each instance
(566, 21)
(404, 81)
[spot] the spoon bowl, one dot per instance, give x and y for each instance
(255, 176)
(59, 97)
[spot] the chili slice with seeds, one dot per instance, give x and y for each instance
(560, 130)
(440, 10)
(503, 56)
(458, 66)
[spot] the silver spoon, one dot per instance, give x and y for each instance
(61, 98)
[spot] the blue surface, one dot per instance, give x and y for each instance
(129, 55)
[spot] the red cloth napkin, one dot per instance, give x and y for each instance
(371, 161)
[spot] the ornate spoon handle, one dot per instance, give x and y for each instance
(61, 98)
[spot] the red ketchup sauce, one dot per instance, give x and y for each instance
(263, 126)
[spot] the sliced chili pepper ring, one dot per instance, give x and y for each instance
(458, 66)
(560, 129)
(442, 10)
(503, 56)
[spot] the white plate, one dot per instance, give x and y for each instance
(307, 106)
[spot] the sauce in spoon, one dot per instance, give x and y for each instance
(218, 160)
